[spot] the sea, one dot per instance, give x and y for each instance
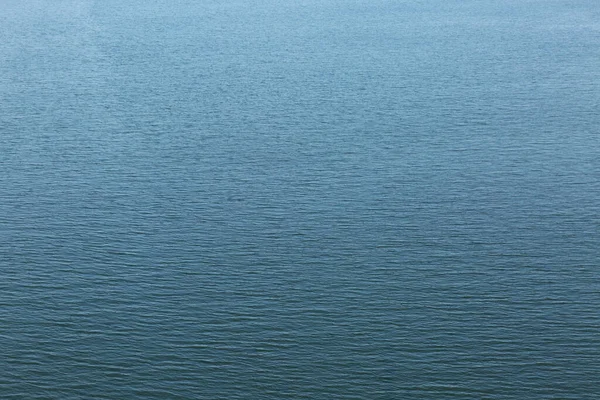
(300, 199)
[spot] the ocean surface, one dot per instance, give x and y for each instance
(333, 199)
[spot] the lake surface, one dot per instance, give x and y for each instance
(226, 199)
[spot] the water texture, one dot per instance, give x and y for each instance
(300, 199)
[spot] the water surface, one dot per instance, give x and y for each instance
(308, 199)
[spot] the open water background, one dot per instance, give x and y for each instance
(300, 199)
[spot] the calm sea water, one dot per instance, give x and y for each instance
(226, 199)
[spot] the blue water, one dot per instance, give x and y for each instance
(226, 199)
